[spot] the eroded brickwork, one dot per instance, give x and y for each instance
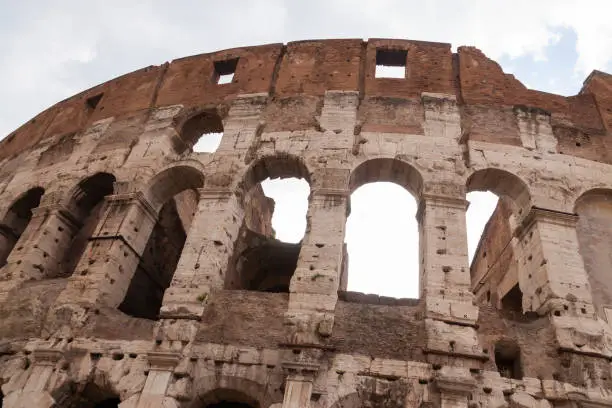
(138, 273)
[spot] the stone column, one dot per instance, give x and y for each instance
(208, 250)
(314, 285)
(455, 387)
(40, 250)
(105, 270)
(301, 372)
(450, 314)
(298, 389)
(554, 281)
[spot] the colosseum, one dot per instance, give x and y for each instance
(139, 273)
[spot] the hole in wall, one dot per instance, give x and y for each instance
(390, 63)
(225, 71)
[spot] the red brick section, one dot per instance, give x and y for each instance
(313, 67)
(429, 68)
(191, 82)
(298, 75)
(600, 85)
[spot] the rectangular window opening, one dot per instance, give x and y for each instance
(225, 70)
(391, 63)
(93, 101)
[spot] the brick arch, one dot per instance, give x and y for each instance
(213, 389)
(172, 180)
(387, 170)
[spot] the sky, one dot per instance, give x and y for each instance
(52, 50)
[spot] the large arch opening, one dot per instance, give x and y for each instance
(275, 198)
(16, 220)
(227, 398)
(594, 231)
(173, 193)
(90, 395)
(202, 133)
(382, 231)
(499, 200)
(87, 206)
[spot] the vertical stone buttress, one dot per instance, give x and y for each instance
(204, 261)
(450, 313)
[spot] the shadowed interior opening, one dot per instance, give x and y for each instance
(16, 220)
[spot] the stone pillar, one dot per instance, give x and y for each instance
(208, 250)
(40, 250)
(43, 375)
(450, 314)
(314, 285)
(445, 271)
(301, 372)
(159, 380)
(105, 270)
(455, 387)
(554, 281)
(298, 389)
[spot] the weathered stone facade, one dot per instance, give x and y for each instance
(138, 273)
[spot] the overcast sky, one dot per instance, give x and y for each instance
(52, 50)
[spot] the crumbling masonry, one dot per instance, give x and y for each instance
(138, 273)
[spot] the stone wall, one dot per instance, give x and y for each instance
(138, 273)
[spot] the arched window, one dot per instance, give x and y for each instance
(87, 206)
(173, 192)
(202, 133)
(16, 220)
(382, 231)
(275, 200)
(594, 230)
(499, 200)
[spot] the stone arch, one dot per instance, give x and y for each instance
(86, 205)
(407, 187)
(196, 125)
(505, 185)
(171, 181)
(16, 219)
(594, 233)
(260, 261)
(390, 170)
(278, 166)
(174, 197)
(214, 389)
(501, 283)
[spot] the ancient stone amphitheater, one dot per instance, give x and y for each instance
(139, 273)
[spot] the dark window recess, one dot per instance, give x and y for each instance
(513, 300)
(93, 101)
(391, 63)
(508, 359)
(225, 70)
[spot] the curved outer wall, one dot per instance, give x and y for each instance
(120, 183)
